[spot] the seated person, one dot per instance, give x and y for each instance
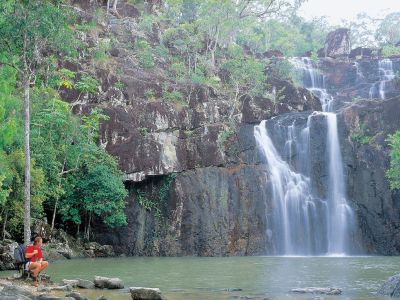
(35, 263)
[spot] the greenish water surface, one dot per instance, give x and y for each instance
(259, 277)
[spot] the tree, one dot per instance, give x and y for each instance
(27, 29)
(394, 171)
(250, 82)
(388, 32)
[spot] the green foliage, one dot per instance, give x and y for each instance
(29, 27)
(65, 160)
(173, 96)
(226, 134)
(143, 131)
(119, 85)
(362, 135)
(100, 52)
(294, 37)
(390, 50)
(251, 82)
(156, 199)
(283, 69)
(388, 32)
(145, 54)
(394, 171)
(149, 94)
(100, 192)
(87, 84)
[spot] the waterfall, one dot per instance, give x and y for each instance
(360, 76)
(304, 224)
(296, 211)
(386, 74)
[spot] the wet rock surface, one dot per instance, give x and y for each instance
(364, 127)
(391, 287)
(108, 283)
(141, 293)
(317, 290)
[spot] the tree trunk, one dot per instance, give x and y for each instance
(27, 187)
(54, 215)
(5, 223)
(88, 227)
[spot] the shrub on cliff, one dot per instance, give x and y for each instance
(394, 172)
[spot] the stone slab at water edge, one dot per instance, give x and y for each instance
(108, 283)
(391, 287)
(141, 293)
(318, 290)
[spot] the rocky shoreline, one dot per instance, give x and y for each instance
(21, 289)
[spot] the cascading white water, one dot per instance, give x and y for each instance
(386, 74)
(340, 216)
(307, 224)
(295, 209)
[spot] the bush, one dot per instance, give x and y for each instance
(394, 171)
(390, 50)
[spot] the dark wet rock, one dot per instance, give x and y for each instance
(94, 249)
(71, 282)
(391, 287)
(232, 290)
(141, 293)
(317, 290)
(101, 298)
(273, 53)
(361, 52)
(7, 254)
(85, 284)
(337, 44)
(108, 283)
(248, 298)
(52, 297)
(376, 206)
(76, 296)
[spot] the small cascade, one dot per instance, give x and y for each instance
(307, 225)
(360, 76)
(313, 80)
(386, 74)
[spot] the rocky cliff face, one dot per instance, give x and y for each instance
(218, 202)
(366, 125)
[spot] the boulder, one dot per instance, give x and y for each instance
(94, 249)
(76, 296)
(108, 283)
(273, 53)
(85, 284)
(71, 282)
(16, 290)
(7, 254)
(360, 52)
(52, 297)
(318, 290)
(337, 44)
(102, 297)
(142, 293)
(12, 297)
(65, 288)
(391, 287)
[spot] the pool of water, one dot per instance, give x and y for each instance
(213, 278)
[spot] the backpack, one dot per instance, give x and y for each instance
(19, 256)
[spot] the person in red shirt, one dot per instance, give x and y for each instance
(35, 259)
